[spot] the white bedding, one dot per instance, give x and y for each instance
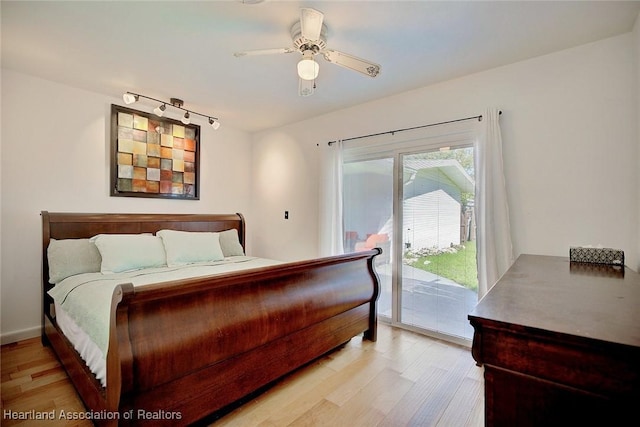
(88, 350)
(82, 302)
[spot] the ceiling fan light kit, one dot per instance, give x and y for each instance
(130, 98)
(309, 37)
(308, 68)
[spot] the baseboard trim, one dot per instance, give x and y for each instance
(20, 335)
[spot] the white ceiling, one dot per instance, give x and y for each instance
(185, 49)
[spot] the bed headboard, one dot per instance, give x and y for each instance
(57, 225)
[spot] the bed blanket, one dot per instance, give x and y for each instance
(86, 297)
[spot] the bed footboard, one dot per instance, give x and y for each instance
(191, 347)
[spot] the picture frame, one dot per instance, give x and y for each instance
(153, 156)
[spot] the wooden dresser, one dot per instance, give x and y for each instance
(560, 344)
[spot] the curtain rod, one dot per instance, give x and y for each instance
(411, 128)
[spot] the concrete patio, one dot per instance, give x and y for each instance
(429, 301)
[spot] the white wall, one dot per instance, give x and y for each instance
(285, 169)
(570, 149)
(55, 157)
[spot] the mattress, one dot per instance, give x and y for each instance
(82, 302)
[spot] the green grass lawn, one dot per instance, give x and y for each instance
(459, 267)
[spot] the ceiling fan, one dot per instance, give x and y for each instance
(310, 39)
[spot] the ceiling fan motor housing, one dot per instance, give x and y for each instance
(302, 44)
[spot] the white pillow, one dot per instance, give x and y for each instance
(127, 252)
(71, 256)
(230, 243)
(189, 247)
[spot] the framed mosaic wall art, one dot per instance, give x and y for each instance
(153, 156)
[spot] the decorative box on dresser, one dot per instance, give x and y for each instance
(560, 343)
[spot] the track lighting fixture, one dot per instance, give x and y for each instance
(214, 123)
(130, 98)
(159, 110)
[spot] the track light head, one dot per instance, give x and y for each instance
(129, 98)
(159, 110)
(186, 118)
(214, 123)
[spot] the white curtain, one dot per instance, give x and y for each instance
(330, 209)
(494, 248)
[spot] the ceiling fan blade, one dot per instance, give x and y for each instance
(264, 52)
(351, 62)
(306, 87)
(311, 23)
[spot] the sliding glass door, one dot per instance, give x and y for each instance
(418, 207)
(438, 281)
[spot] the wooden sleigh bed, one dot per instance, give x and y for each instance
(179, 351)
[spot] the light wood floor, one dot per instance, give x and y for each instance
(404, 379)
